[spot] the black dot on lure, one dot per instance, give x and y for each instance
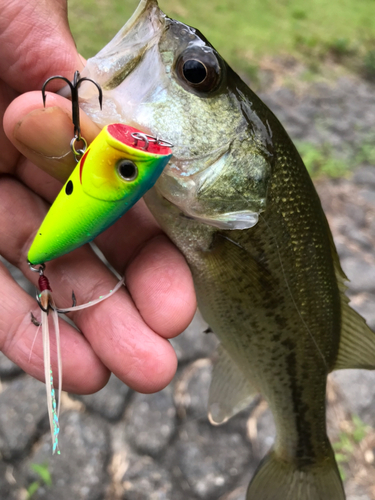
(69, 188)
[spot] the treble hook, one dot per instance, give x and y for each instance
(44, 285)
(74, 85)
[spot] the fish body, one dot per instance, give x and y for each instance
(112, 175)
(238, 202)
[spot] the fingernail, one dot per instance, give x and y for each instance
(47, 131)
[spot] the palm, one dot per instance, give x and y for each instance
(126, 334)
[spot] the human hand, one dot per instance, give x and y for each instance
(127, 333)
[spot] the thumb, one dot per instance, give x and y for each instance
(36, 43)
(42, 134)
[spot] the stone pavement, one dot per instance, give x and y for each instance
(121, 445)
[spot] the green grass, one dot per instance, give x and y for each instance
(44, 479)
(348, 442)
(322, 160)
(369, 64)
(244, 32)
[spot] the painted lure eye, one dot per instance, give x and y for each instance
(199, 70)
(127, 170)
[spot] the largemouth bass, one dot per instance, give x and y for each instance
(238, 202)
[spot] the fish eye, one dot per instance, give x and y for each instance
(199, 70)
(127, 170)
(194, 71)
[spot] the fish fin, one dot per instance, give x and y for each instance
(230, 392)
(277, 479)
(230, 248)
(357, 341)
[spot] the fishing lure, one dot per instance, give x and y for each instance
(111, 175)
(119, 166)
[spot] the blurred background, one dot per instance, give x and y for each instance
(313, 63)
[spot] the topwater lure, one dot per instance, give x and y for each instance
(111, 175)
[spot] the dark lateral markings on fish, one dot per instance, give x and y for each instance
(238, 202)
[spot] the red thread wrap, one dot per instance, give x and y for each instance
(43, 283)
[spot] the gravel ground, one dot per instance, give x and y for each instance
(121, 445)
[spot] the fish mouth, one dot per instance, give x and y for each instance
(123, 53)
(136, 42)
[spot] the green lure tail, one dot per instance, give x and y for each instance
(119, 166)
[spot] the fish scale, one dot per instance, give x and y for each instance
(273, 364)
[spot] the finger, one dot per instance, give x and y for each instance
(38, 43)
(43, 135)
(156, 273)
(9, 153)
(161, 285)
(83, 372)
(114, 328)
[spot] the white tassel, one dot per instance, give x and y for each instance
(47, 304)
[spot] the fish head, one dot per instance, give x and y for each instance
(162, 76)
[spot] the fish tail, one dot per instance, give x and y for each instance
(278, 479)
